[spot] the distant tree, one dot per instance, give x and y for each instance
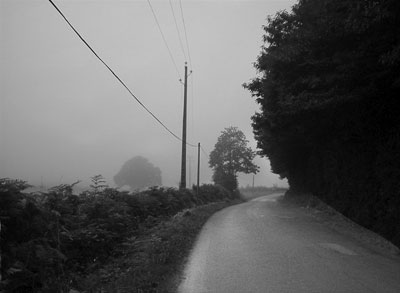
(138, 173)
(230, 156)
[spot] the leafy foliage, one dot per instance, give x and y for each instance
(328, 88)
(98, 184)
(230, 156)
(50, 240)
(153, 261)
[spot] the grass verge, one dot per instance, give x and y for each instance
(154, 260)
(340, 223)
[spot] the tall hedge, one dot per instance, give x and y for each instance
(328, 87)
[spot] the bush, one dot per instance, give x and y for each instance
(212, 193)
(51, 239)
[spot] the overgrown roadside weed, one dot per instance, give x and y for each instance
(153, 262)
(340, 223)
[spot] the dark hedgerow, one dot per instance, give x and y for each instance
(50, 240)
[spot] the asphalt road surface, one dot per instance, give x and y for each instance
(265, 246)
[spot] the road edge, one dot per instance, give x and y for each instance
(340, 223)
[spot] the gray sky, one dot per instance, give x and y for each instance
(64, 117)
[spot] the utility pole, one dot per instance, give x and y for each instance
(190, 171)
(182, 184)
(198, 167)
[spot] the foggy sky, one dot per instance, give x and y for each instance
(64, 117)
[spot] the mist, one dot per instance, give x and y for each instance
(64, 117)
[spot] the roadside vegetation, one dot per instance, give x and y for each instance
(249, 192)
(337, 221)
(231, 155)
(328, 84)
(58, 240)
(154, 261)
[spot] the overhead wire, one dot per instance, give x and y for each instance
(177, 30)
(189, 144)
(192, 99)
(204, 152)
(164, 39)
(184, 27)
(116, 76)
(188, 51)
(166, 44)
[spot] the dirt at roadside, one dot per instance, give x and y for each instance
(338, 222)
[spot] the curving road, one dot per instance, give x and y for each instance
(264, 246)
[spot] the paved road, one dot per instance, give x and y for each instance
(264, 246)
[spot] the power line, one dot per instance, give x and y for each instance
(204, 152)
(184, 27)
(169, 51)
(164, 39)
(115, 75)
(177, 29)
(192, 99)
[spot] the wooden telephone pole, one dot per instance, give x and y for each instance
(182, 184)
(198, 167)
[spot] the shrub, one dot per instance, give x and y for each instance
(50, 239)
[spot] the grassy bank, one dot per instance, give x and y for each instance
(335, 220)
(153, 261)
(249, 193)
